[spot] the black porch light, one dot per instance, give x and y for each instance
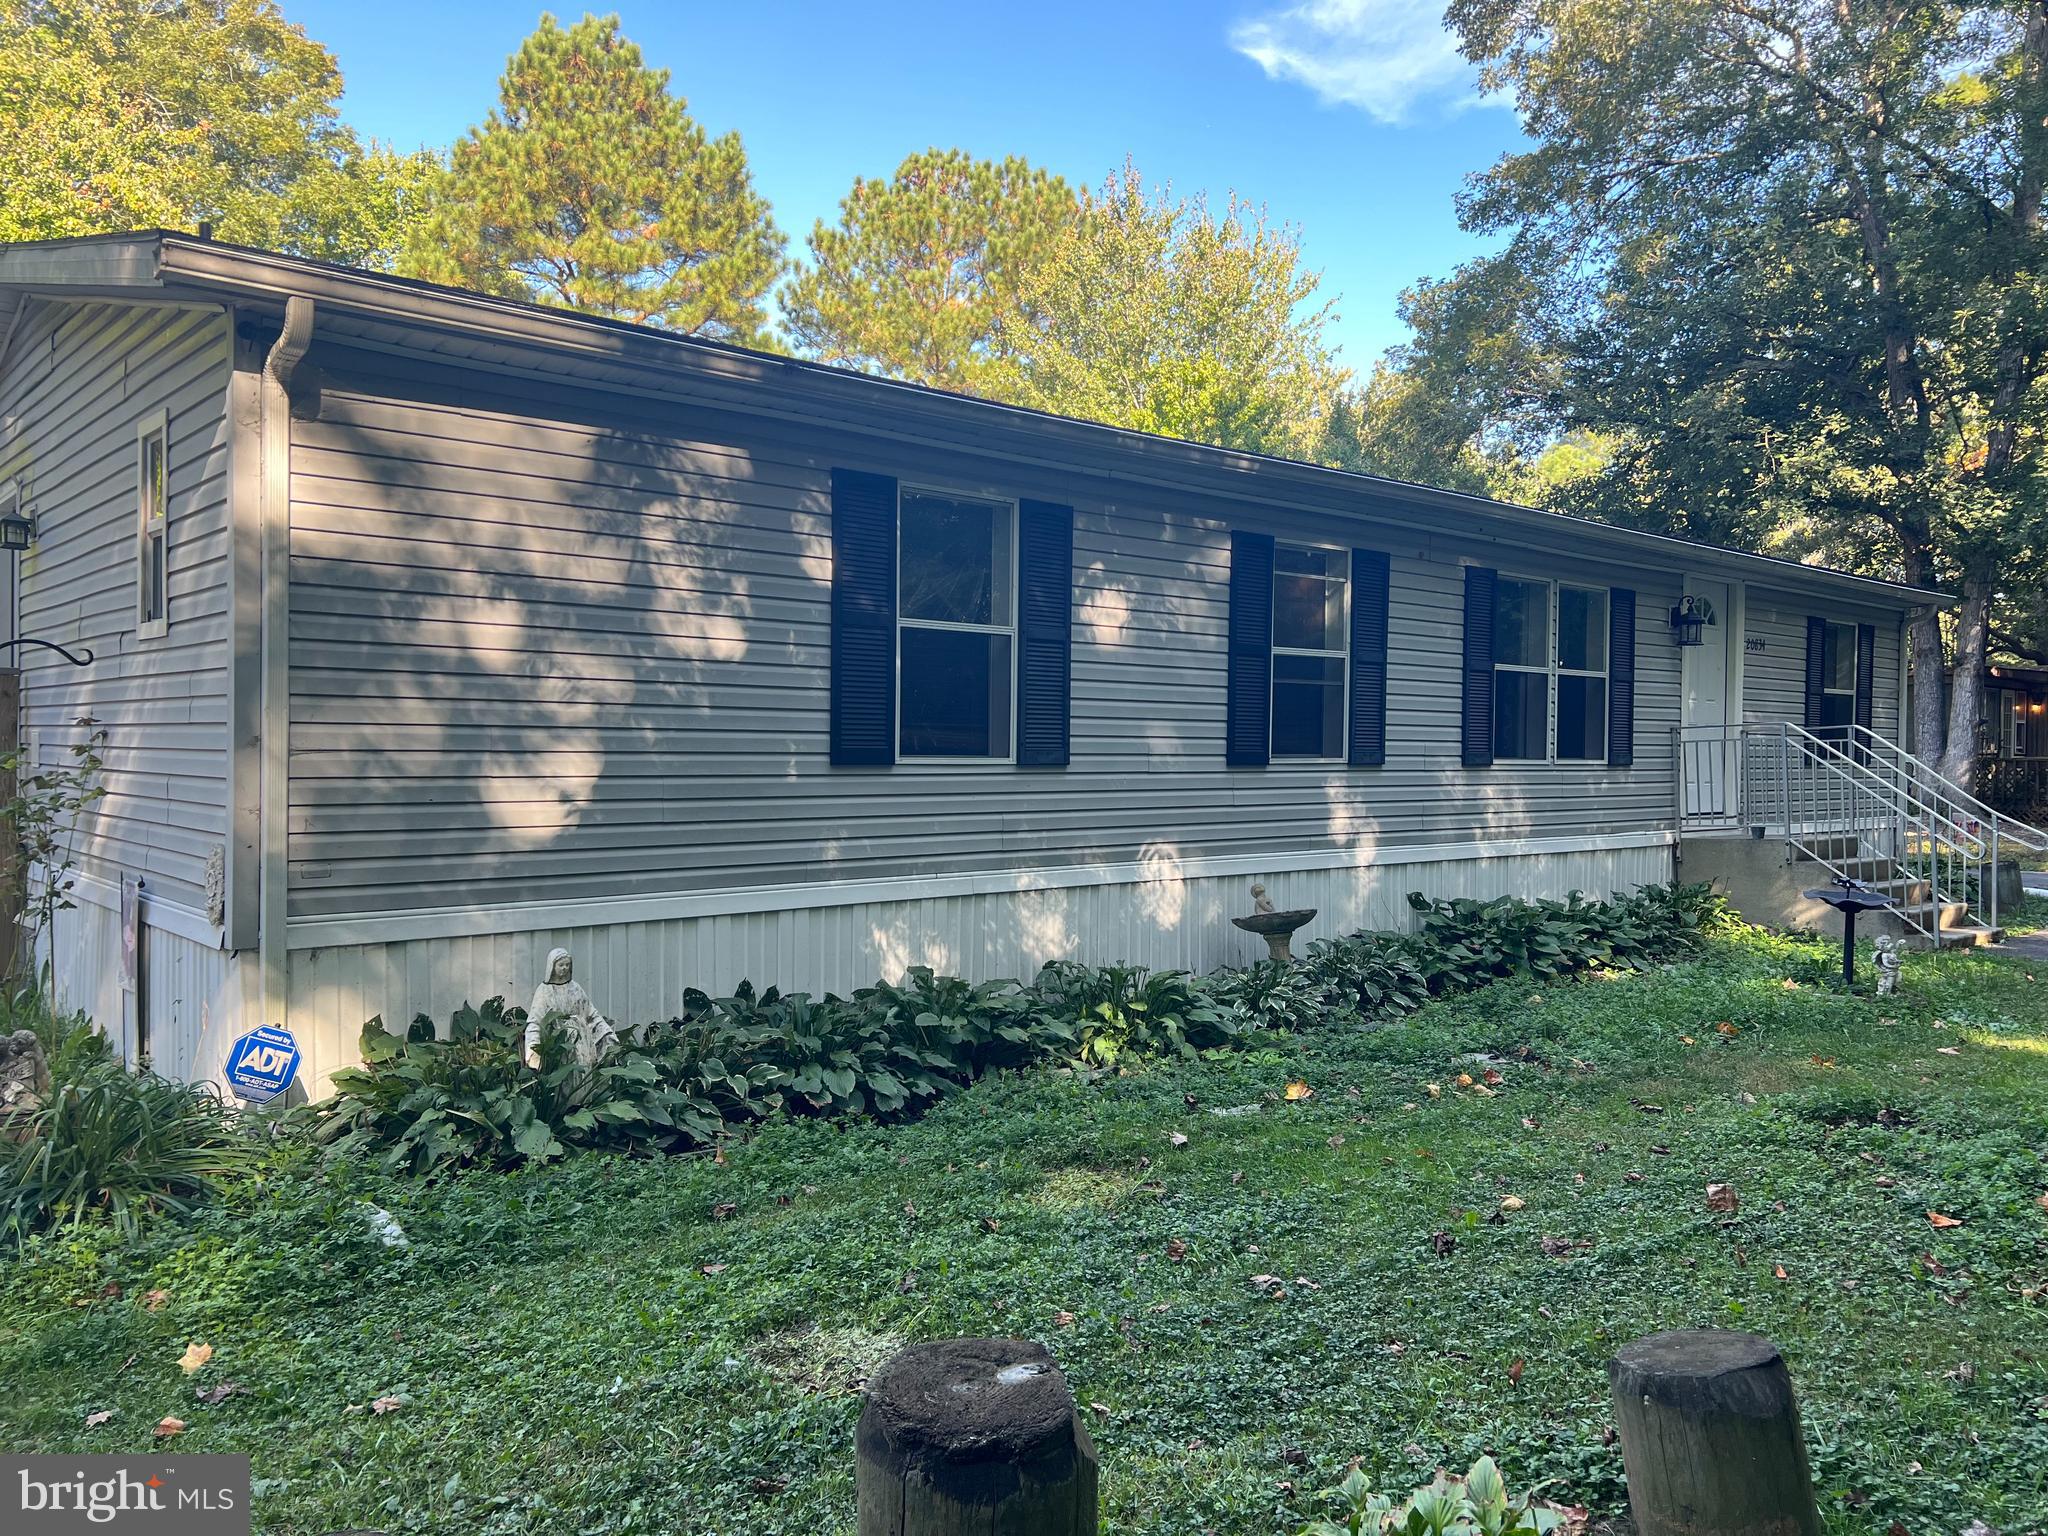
(1688, 624)
(16, 531)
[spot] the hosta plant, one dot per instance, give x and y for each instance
(1476, 1504)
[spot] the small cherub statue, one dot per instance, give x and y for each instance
(1261, 902)
(561, 999)
(1890, 956)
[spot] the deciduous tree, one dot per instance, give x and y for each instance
(134, 114)
(1785, 258)
(591, 187)
(922, 270)
(1153, 313)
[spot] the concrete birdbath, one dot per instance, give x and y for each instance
(1276, 928)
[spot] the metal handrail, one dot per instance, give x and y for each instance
(1920, 772)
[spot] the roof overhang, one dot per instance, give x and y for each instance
(165, 266)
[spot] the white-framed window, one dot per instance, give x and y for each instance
(1838, 676)
(956, 625)
(153, 526)
(1311, 651)
(1550, 671)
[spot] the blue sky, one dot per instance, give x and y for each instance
(1353, 119)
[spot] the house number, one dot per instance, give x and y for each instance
(1753, 644)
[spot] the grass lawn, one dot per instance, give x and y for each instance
(674, 1347)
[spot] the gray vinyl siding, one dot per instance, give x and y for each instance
(534, 661)
(1774, 678)
(78, 380)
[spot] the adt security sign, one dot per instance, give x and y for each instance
(262, 1064)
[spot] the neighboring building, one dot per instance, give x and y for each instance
(2013, 769)
(433, 630)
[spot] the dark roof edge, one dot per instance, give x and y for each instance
(243, 270)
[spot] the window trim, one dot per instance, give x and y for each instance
(152, 528)
(1855, 688)
(1554, 668)
(1275, 650)
(903, 621)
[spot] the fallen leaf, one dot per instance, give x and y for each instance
(1238, 1177)
(1464, 1079)
(1176, 1250)
(1063, 1319)
(990, 1224)
(168, 1426)
(1935, 1218)
(214, 1396)
(1529, 1124)
(386, 1404)
(1436, 1090)
(1946, 1050)
(195, 1356)
(710, 1269)
(1336, 1142)
(1492, 1077)
(1177, 1139)
(1298, 1090)
(1725, 1028)
(1688, 1040)
(1515, 1372)
(152, 1300)
(2043, 1201)
(1443, 1243)
(1512, 1202)
(725, 1210)
(1721, 1197)
(765, 1486)
(1778, 1271)
(1100, 1410)
(95, 1420)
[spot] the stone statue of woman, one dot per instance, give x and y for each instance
(562, 999)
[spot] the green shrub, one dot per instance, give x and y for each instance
(1298, 997)
(1116, 1011)
(116, 1143)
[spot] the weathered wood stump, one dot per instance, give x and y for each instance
(974, 1435)
(1710, 1437)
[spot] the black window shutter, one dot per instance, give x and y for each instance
(1816, 670)
(1478, 705)
(1248, 728)
(1368, 658)
(1045, 632)
(863, 618)
(1866, 674)
(1621, 677)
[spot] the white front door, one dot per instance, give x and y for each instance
(1709, 750)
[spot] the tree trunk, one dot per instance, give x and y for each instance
(1925, 734)
(1966, 685)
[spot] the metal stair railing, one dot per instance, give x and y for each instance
(1861, 791)
(1922, 779)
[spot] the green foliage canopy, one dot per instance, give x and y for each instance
(1783, 261)
(1151, 313)
(129, 114)
(923, 269)
(591, 187)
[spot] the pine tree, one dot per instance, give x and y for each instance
(591, 187)
(923, 269)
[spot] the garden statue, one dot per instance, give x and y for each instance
(563, 1000)
(24, 1076)
(1890, 956)
(1261, 902)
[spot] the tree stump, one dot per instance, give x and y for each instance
(974, 1435)
(1710, 1437)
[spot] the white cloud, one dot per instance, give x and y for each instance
(1383, 56)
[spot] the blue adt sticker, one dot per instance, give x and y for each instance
(262, 1064)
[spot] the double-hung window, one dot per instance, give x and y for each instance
(153, 527)
(1310, 651)
(956, 627)
(1550, 671)
(1838, 676)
